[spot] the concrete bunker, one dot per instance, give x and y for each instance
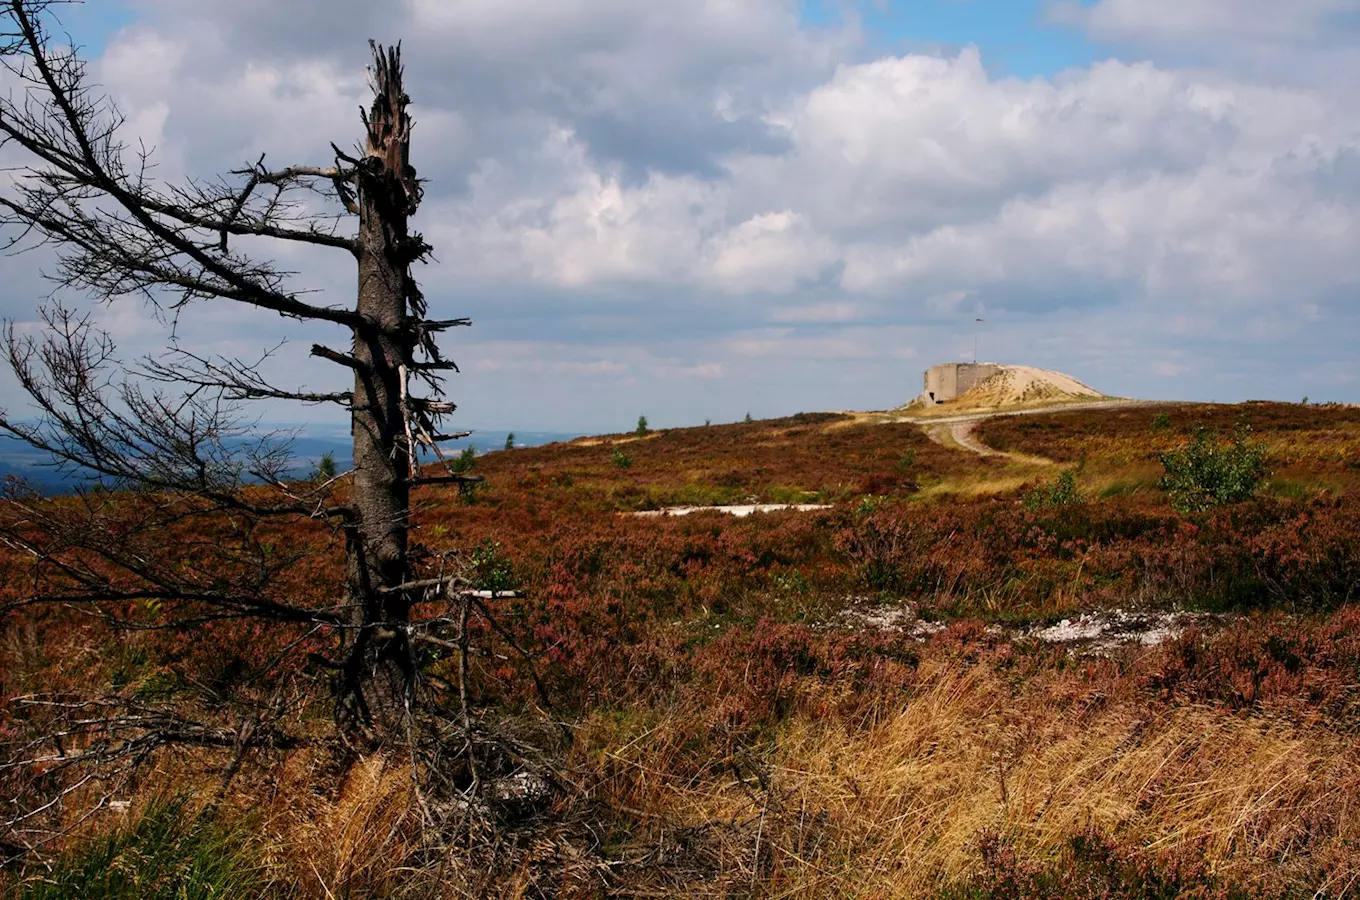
(947, 381)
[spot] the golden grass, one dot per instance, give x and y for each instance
(982, 485)
(352, 845)
(895, 808)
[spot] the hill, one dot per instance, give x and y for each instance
(1012, 387)
(970, 676)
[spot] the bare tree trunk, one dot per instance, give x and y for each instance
(172, 246)
(378, 670)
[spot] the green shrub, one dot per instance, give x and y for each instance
(642, 430)
(621, 460)
(1208, 472)
(168, 854)
(510, 441)
(1161, 422)
(1063, 492)
(466, 461)
(908, 460)
(748, 420)
(490, 570)
(870, 504)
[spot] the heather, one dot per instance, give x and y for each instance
(853, 701)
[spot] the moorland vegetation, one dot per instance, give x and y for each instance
(847, 702)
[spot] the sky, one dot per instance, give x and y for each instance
(696, 209)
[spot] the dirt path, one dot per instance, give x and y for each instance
(962, 436)
(958, 430)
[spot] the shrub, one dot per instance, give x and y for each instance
(908, 460)
(466, 461)
(1063, 492)
(642, 430)
(510, 441)
(1207, 472)
(748, 420)
(1161, 422)
(620, 459)
(169, 854)
(491, 570)
(882, 544)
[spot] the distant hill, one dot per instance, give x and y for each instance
(19, 460)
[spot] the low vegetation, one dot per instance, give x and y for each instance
(843, 703)
(1207, 473)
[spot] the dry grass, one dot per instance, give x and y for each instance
(351, 845)
(895, 807)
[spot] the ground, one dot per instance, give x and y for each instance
(942, 676)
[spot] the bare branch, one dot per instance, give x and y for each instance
(336, 356)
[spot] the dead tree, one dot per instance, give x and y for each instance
(171, 426)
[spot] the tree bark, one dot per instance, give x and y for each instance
(378, 672)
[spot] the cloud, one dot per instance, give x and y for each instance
(818, 313)
(630, 196)
(1205, 22)
(1316, 42)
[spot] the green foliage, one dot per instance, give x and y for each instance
(642, 430)
(1063, 492)
(1161, 422)
(1304, 401)
(748, 420)
(869, 504)
(325, 468)
(169, 854)
(907, 460)
(620, 459)
(490, 570)
(466, 461)
(510, 441)
(790, 582)
(1208, 472)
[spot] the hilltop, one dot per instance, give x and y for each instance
(1002, 387)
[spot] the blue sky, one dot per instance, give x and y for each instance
(1016, 37)
(93, 24)
(691, 209)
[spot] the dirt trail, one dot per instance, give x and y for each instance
(958, 430)
(959, 435)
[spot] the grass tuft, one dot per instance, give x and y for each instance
(169, 853)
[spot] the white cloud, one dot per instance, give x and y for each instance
(1204, 21)
(768, 252)
(625, 192)
(819, 313)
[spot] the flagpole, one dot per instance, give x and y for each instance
(975, 335)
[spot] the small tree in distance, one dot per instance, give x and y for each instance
(642, 430)
(510, 441)
(325, 467)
